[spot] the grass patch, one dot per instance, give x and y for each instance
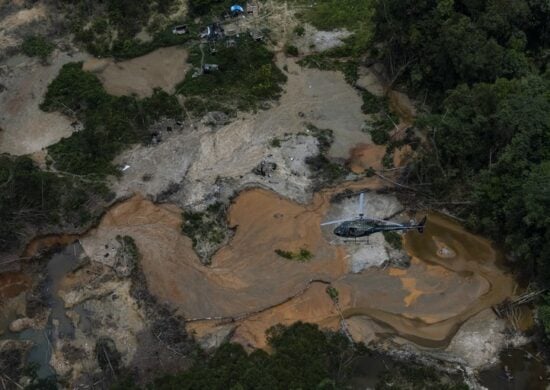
(299, 31)
(381, 127)
(109, 28)
(394, 239)
(332, 293)
(208, 7)
(302, 256)
(332, 14)
(129, 248)
(372, 104)
(324, 61)
(379, 135)
(247, 76)
(291, 50)
(37, 46)
(275, 143)
(387, 160)
(110, 123)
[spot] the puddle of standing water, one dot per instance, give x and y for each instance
(58, 266)
(518, 369)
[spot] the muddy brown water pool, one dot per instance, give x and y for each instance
(57, 267)
(443, 288)
(518, 369)
(453, 274)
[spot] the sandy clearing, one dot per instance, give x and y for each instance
(11, 23)
(24, 128)
(200, 156)
(162, 68)
(324, 99)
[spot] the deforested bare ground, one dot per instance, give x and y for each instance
(24, 128)
(162, 68)
(425, 303)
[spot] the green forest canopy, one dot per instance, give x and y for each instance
(482, 67)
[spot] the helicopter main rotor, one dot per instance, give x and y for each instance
(361, 215)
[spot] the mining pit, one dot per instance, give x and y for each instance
(437, 300)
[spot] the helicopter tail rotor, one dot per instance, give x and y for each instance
(421, 225)
(361, 205)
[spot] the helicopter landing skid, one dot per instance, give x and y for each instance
(356, 241)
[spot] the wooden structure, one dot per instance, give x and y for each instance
(252, 8)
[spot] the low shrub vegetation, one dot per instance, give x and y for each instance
(31, 198)
(37, 46)
(206, 229)
(394, 239)
(110, 123)
(247, 76)
(109, 28)
(300, 31)
(301, 256)
(291, 50)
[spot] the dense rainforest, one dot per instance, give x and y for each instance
(480, 67)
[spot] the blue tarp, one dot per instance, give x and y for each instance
(237, 8)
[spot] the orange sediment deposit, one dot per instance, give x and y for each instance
(12, 284)
(401, 105)
(245, 276)
(427, 302)
(314, 306)
(249, 287)
(402, 155)
(40, 244)
(365, 156)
